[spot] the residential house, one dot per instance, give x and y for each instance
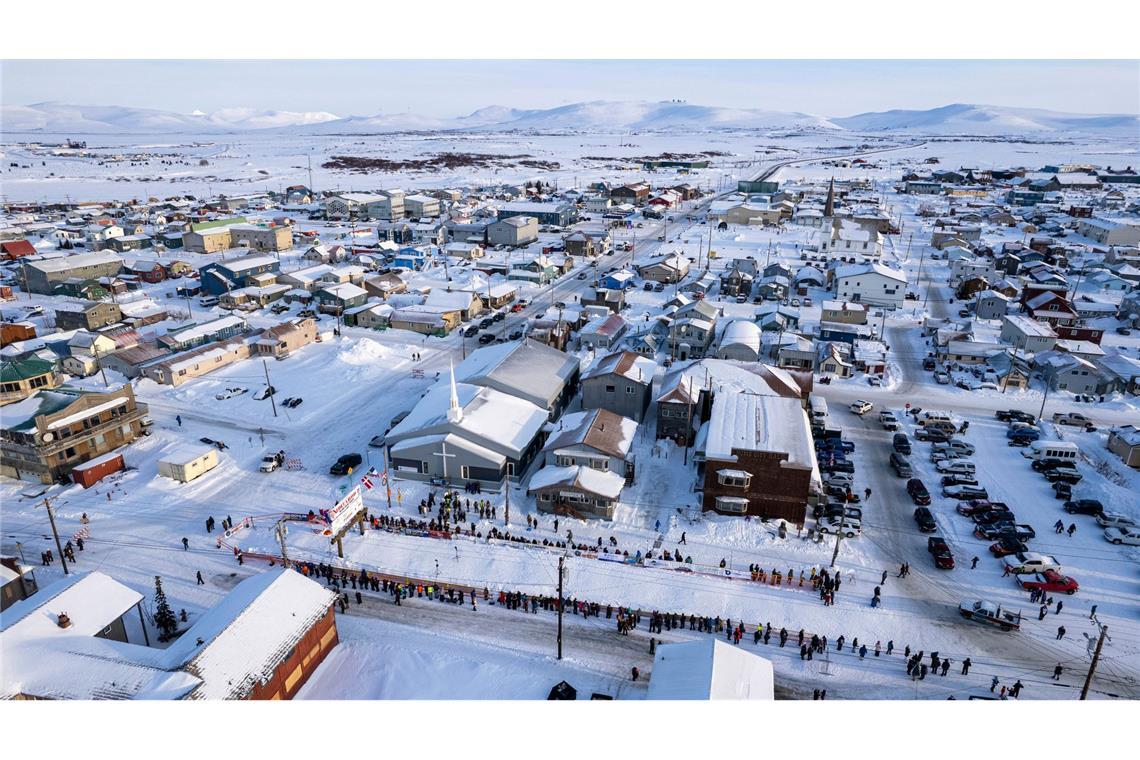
(334, 299)
(1027, 334)
(176, 368)
(256, 270)
(554, 214)
(603, 332)
(843, 312)
(467, 303)
(282, 340)
(194, 335)
(692, 330)
(1065, 372)
(620, 382)
(587, 463)
(539, 374)
(24, 377)
(872, 284)
(86, 315)
(43, 276)
(514, 231)
(1110, 231)
(212, 236)
(990, 304)
(426, 320)
(1124, 441)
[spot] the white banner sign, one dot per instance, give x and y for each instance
(346, 509)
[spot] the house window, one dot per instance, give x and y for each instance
(734, 478)
(629, 389)
(464, 472)
(611, 388)
(600, 464)
(424, 467)
(510, 469)
(565, 461)
(732, 504)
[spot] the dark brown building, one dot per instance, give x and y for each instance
(759, 458)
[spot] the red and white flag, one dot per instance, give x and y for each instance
(367, 483)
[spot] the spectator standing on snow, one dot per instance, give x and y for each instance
(1060, 633)
(1057, 671)
(966, 667)
(200, 581)
(185, 544)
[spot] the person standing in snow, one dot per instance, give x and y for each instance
(966, 667)
(185, 544)
(883, 582)
(973, 563)
(1057, 671)
(945, 666)
(635, 673)
(200, 581)
(862, 651)
(994, 683)
(683, 538)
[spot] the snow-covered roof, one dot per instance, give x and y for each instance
(627, 364)
(602, 483)
(598, 429)
(741, 332)
(709, 669)
(66, 263)
(490, 418)
(91, 601)
(250, 632)
(856, 270)
(527, 369)
(750, 422)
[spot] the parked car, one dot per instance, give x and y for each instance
(992, 516)
(293, 403)
(486, 338)
(976, 506)
(1063, 490)
(888, 420)
(230, 393)
(1044, 465)
(963, 448)
(861, 407)
(211, 442)
(346, 464)
(834, 524)
(943, 560)
(941, 377)
(956, 467)
(1031, 562)
(1123, 534)
(943, 455)
(1115, 520)
(853, 514)
(924, 518)
(932, 435)
(1050, 581)
(1065, 474)
(901, 443)
(901, 465)
(918, 493)
(498, 316)
(959, 479)
(1007, 545)
(838, 466)
(1084, 507)
(471, 331)
(929, 364)
(1074, 419)
(1015, 415)
(264, 393)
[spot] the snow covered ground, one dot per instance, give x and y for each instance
(355, 384)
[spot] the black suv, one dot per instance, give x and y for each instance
(1067, 474)
(901, 443)
(1084, 507)
(1044, 465)
(345, 464)
(918, 493)
(925, 520)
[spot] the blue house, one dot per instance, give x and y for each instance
(619, 280)
(221, 277)
(838, 333)
(410, 258)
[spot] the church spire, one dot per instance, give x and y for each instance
(829, 205)
(455, 412)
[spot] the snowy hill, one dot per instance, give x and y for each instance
(965, 118)
(63, 118)
(611, 115)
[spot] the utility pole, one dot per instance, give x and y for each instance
(54, 532)
(99, 364)
(507, 501)
(1041, 412)
(839, 535)
(1084, 689)
(281, 532)
(269, 387)
(561, 565)
(387, 478)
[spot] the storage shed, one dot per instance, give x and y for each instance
(92, 471)
(187, 463)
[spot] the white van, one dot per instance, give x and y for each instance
(208, 301)
(1061, 451)
(928, 417)
(818, 409)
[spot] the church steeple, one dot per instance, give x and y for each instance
(829, 205)
(455, 412)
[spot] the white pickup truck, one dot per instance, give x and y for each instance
(990, 614)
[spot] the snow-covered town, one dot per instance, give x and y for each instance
(618, 400)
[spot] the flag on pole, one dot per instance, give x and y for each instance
(367, 483)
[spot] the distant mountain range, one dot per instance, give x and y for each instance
(592, 116)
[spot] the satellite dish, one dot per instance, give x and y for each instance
(49, 437)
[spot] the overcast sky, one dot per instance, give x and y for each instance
(453, 88)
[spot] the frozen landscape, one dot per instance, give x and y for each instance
(787, 293)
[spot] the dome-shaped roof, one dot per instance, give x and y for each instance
(741, 332)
